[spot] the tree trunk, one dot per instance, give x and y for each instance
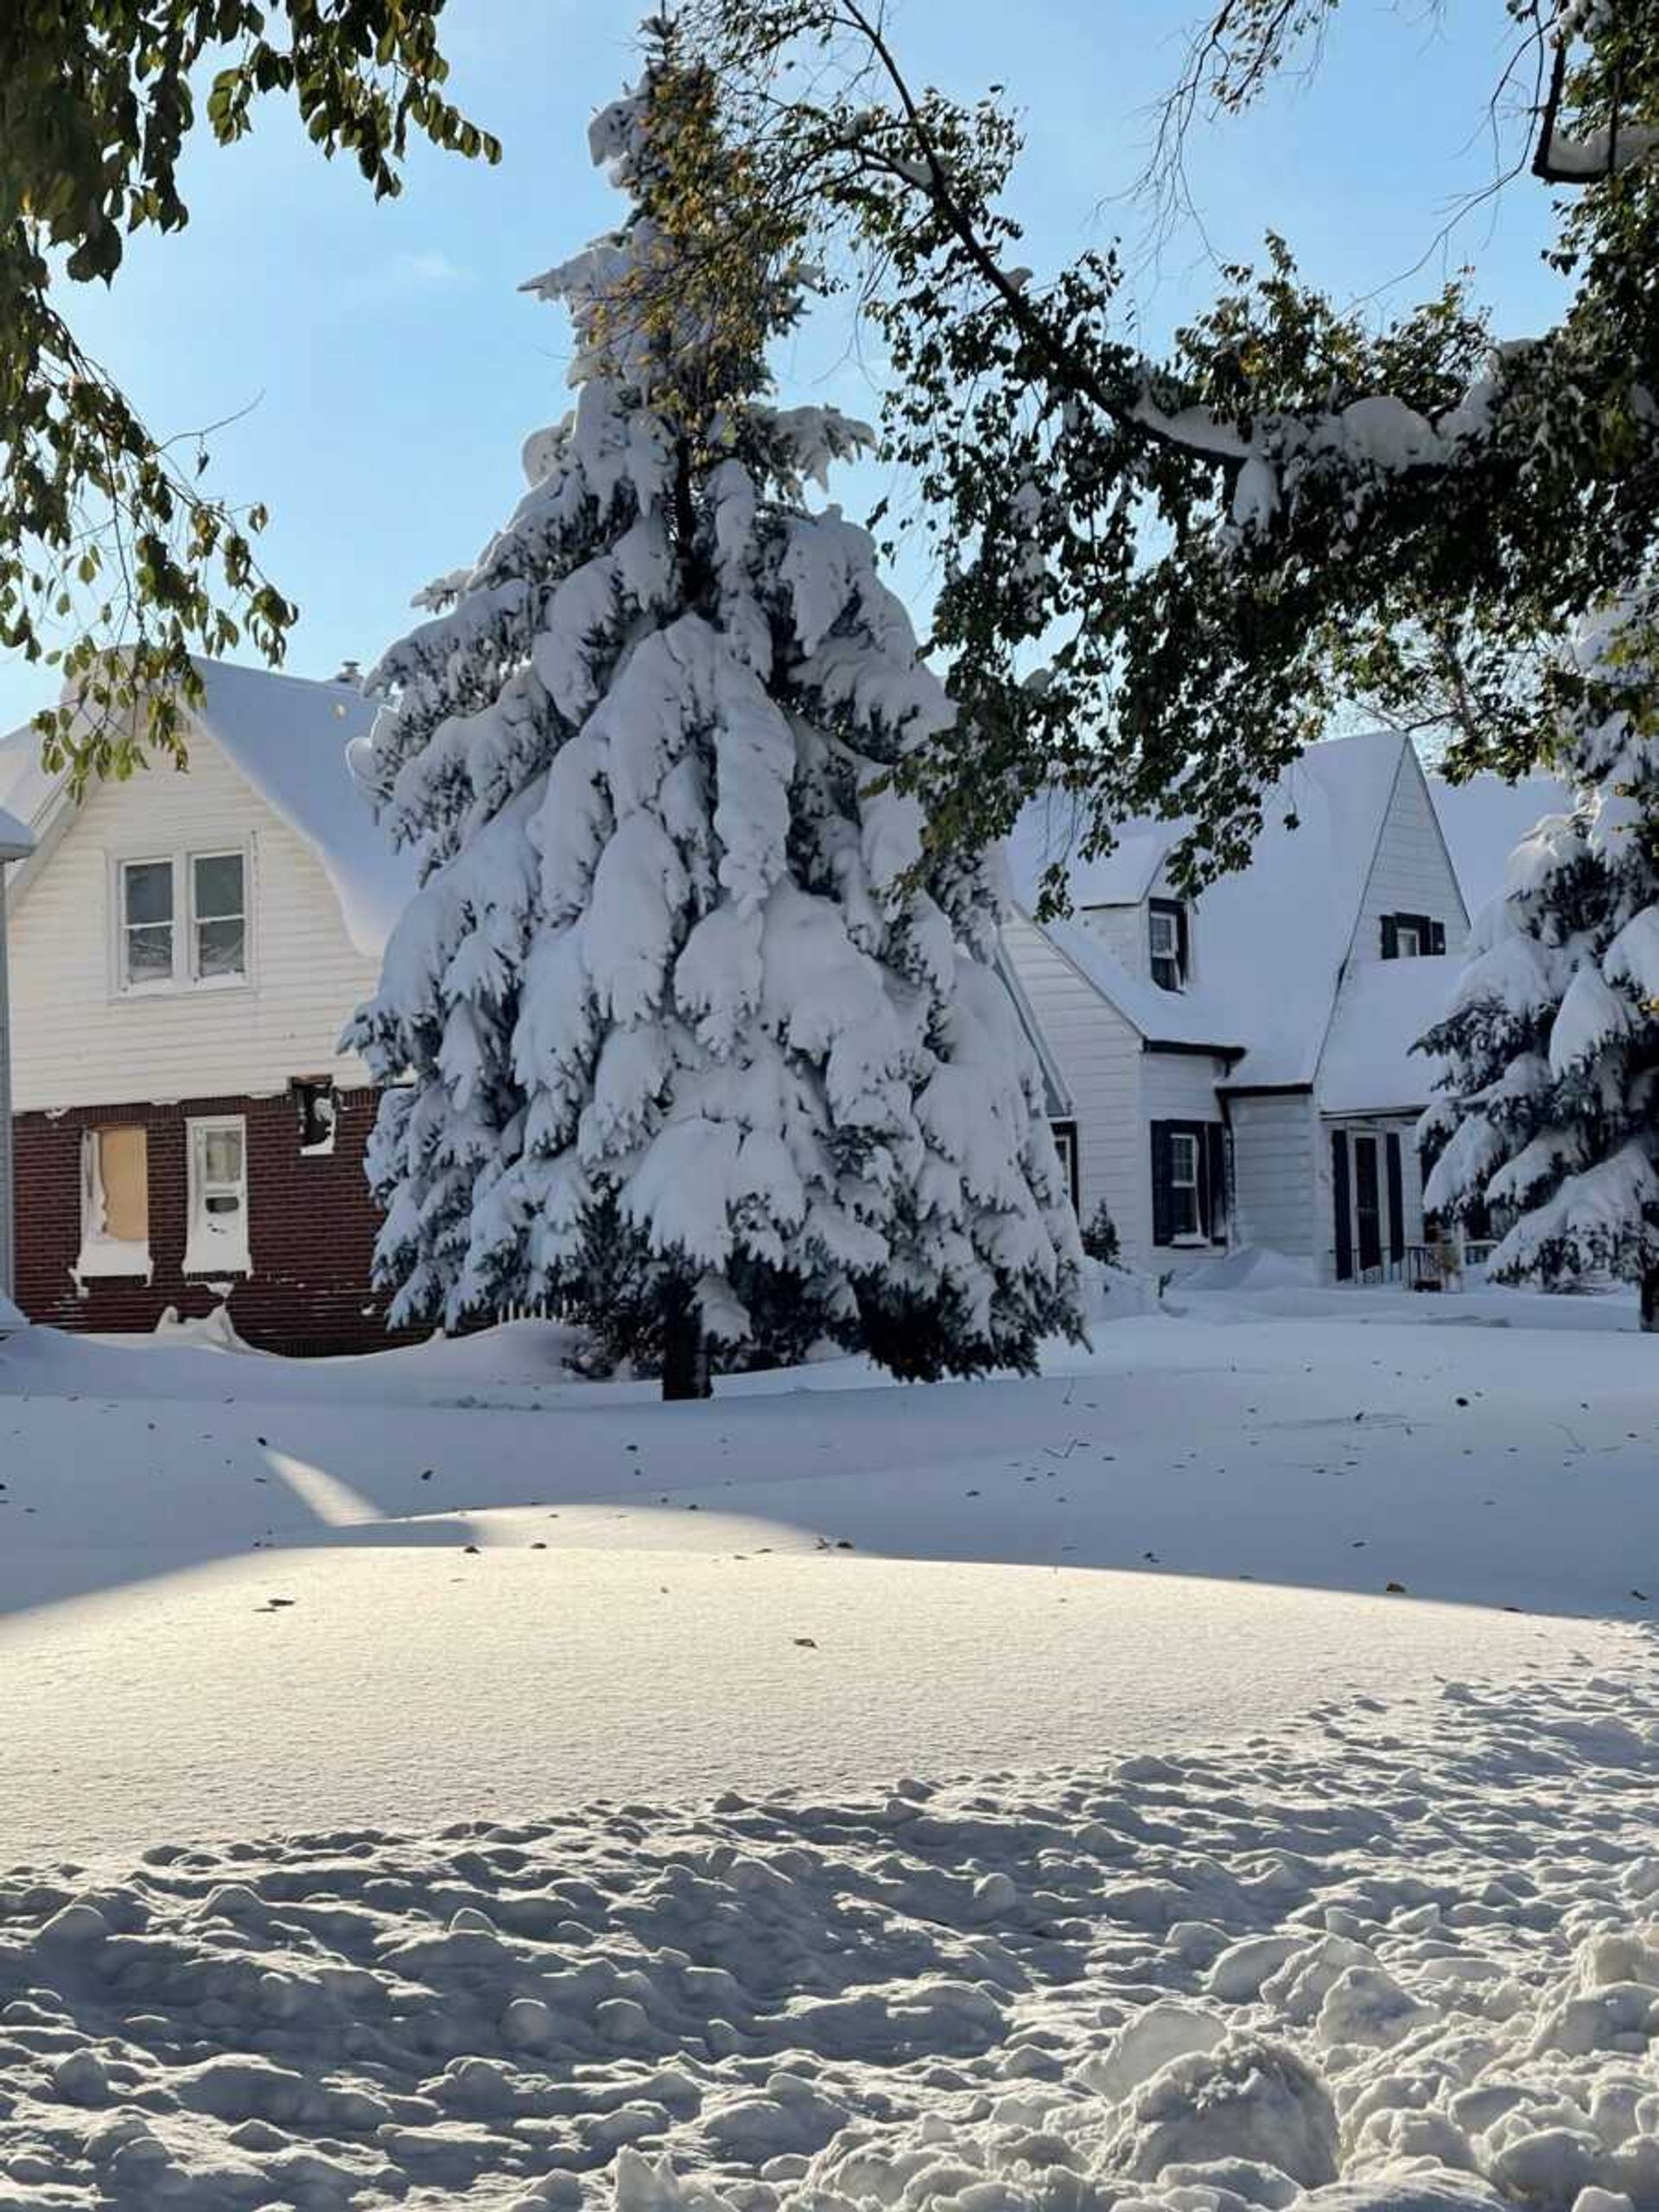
(1650, 1301)
(685, 1356)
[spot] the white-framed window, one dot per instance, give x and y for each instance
(183, 921)
(149, 925)
(1166, 941)
(1185, 1217)
(216, 1231)
(219, 918)
(114, 1202)
(1409, 943)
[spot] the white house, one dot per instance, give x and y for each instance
(1237, 1069)
(185, 949)
(15, 844)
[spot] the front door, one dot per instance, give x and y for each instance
(1368, 1204)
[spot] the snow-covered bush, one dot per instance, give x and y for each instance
(1100, 1238)
(1549, 1115)
(703, 1047)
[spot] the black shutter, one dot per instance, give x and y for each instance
(1163, 1197)
(1437, 937)
(1340, 1203)
(1397, 1200)
(1180, 943)
(1215, 1209)
(1390, 937)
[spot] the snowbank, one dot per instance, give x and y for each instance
(186, 1359)
(1406, 1967)
(1254, 1267)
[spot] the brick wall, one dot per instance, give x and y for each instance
(311, 1226)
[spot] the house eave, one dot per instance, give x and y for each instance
(1412, 1108)
(1232, 1053)
(1267, 1089)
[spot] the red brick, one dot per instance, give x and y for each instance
(311, 1223)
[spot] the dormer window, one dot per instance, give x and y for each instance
(1411, 937)
(1167, 938)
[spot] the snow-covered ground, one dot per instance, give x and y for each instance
(667, 1676)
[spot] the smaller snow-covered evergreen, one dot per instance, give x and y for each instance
(700, 1051)
(1549, 1115)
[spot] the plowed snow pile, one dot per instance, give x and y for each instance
(1402, 1957)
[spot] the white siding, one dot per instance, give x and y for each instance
(1124, 930)
(1176, 1087)
(6, 1198)
(1181, 1087)
(1098, 1054)
(77, 1042)
(1410, 873)
(1275, 1196)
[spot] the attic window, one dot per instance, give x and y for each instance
(147, 933)
(218, 915)
(1167, 941)
(1411, 937)
(182, 921)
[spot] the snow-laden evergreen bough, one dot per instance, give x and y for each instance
(1550, 1108)
(682, 1037)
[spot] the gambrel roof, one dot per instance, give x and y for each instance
(288, 737)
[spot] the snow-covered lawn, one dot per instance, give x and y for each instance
(1140, 1609)
(238, 1593)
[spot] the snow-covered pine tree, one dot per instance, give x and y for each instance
(684, 1038)
(1550, 1107)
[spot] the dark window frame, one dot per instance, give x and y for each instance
(316, 1130)
(1210, 1142)
(1064, 1129)
(1429, 933)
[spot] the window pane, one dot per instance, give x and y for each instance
(1163, 933)
(221, 948)
(221, 1156)
(223, 1204)
(218, 887)
(1183, 1159)
(149, 955)
(149, 891)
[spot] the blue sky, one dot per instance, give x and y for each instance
(392, 369)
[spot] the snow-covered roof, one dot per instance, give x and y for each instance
(1484, 820)
(1368, 1066)
(16, 842)
(287, 736)
(1050, 829)
(1188, 1018)
(1269, 941)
